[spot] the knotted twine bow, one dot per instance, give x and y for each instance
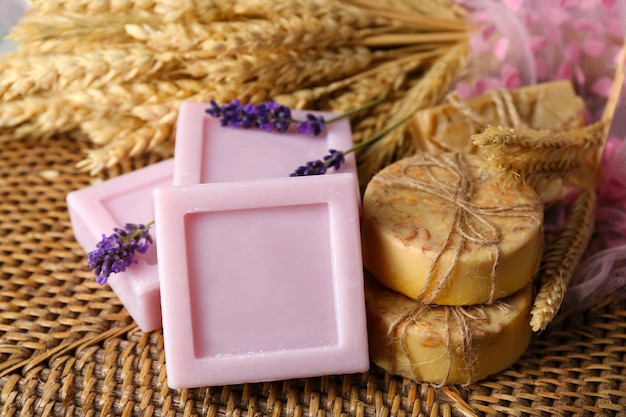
(507, 113)
(472, 224)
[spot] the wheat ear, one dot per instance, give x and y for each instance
(21, 76)
(499, 140)
(206, 11)
(90, 7)
(70, 27)
(249, 36)
(561, 257)
(539, 155)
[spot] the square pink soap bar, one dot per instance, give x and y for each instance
(98, 209)
(207, 152)
(261, 280)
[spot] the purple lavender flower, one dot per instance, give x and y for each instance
(313, 125)
(319, 167)
(215, 110)
(334, 159)
(264, 115)
(232, 114)
(268, 116)
(116, 252)
(283, 118)
(311, 168)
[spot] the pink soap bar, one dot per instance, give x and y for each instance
(98, 209)
(261, 280)
(208, 152)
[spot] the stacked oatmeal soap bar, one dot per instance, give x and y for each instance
(456, 244)
(451, 243)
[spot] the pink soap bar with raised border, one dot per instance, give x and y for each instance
(207, 152)
(261, 280)
(98, 209)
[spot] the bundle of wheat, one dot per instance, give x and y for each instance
(115, 71)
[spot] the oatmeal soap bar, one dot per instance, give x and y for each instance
(446, 344)
(449, 228)
(449, 127)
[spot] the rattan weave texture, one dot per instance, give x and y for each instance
(67, 346)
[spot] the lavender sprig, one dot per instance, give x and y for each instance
(334, 159)
(267, 116)
(271, 116)
(116, 252)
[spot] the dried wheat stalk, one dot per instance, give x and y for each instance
(70, 27)
(91, 7)
(541, 155)
(498, 140)
(324, 54)
(561, 258)
(202, 11)
(222, 38)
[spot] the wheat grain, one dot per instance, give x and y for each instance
(43, 47)
(126, 96)
(108, 28)
(90, 7)
(201, 11)
(561, 257)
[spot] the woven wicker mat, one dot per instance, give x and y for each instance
(67, 346)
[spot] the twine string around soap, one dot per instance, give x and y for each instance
(413, 316)
(466, 318)
(457, 193)
(506, 110)
(471, 222)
